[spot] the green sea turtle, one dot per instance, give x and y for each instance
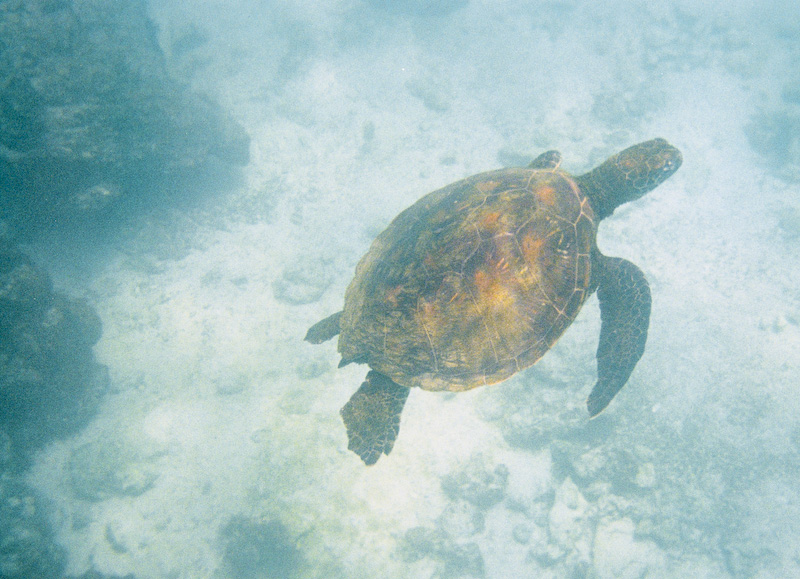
(476, 281)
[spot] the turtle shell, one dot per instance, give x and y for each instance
(474, 282)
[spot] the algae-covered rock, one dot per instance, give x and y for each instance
(477, 482)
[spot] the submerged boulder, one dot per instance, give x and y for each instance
(27, 546)
(259, 548)
(50, 383)
(90, 120)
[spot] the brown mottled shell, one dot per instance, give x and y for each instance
(474, 282)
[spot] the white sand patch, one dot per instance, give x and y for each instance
(617, 555)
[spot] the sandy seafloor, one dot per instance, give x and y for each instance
(218, 409)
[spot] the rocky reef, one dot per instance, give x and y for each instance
(50, 386)
(90, 120)
(27, 548)
(50, 383)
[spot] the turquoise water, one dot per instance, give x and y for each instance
(219, 450)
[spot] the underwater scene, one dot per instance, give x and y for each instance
(578, 357)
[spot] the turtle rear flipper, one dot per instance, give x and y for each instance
(324, 330)
(625, 315)
(372, 416)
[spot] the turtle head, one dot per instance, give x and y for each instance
(629, 174)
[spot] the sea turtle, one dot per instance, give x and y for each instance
(477, 280)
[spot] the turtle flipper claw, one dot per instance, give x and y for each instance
(372, 416)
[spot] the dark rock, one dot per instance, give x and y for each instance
(254, 549)
(90, 119)
(50, 384)
(70, 324)
(27, 548)
(5, 451)
(25, 291)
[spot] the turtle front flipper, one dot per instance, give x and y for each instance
(372, 416)
(625, 315)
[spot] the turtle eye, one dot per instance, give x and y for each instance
(672, 165)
